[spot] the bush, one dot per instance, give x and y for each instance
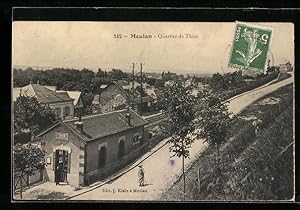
(259, 82)
(22, 137)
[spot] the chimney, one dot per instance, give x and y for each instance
(79, 124)
(127, 115)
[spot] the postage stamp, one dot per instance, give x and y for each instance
(250, 47)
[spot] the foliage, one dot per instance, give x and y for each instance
(227, 81)
(260, 80)
(177, 102)
(30, 114)
(22, 137)
(213, 118)
(28, 158)
(83, 80)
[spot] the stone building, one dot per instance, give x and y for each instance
(93, 147)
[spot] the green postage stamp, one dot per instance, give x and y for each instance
(250, 47)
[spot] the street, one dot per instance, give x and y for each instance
(161, 170)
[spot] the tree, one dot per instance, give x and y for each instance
(100, 73)
(177, 102)
(213, 119)
(30, 115)
(217, 82)
(27, 160)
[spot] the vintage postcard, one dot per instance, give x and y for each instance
(153, 111)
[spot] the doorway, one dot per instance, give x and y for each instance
(62, 163)
(121, 149)
(102, 157)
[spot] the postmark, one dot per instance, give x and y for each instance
(250, 47)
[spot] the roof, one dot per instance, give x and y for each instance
(102, 125)
(145, 99)
(128, 86)
(73, 94)
(16, 93)
(53, 88)
(103, 86)
(43, 94)
(151, 92)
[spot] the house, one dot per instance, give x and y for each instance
(150, 91)
(143, 104)
(93, 147)
(78, 101)
(76, 95)
(118, 95)
(112, 97)
(286, 67)
(61, 103)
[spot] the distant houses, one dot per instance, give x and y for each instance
(121, 93)
(285, 67)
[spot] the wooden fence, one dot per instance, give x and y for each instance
(26, 180)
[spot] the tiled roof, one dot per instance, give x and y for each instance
(44, 95)
(73, 94)
(101, 125)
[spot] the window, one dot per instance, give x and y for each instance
(102, 156)
(136, 139)
(66, 111)
(57, 112)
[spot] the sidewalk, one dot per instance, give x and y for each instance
(46, 191)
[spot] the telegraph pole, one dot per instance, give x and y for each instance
(141, 88)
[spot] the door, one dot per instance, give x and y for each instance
(121, 151)
(102, 157)
(62, 163)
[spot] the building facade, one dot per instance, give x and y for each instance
(93, 147)
(118, 95)
(61, 103)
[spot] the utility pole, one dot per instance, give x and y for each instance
(141, 89)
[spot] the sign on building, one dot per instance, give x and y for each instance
(62, 136)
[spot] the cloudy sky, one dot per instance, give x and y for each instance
(92, 45)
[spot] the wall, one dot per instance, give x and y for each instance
(106, 97)
(61, 105)
(112, 162)
(117, 103)
(73, 143)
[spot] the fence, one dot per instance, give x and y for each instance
(27, 180)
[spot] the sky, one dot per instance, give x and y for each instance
(92, 45)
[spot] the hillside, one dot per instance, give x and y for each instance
(253, 168)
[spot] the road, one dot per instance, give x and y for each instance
(161, 170)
